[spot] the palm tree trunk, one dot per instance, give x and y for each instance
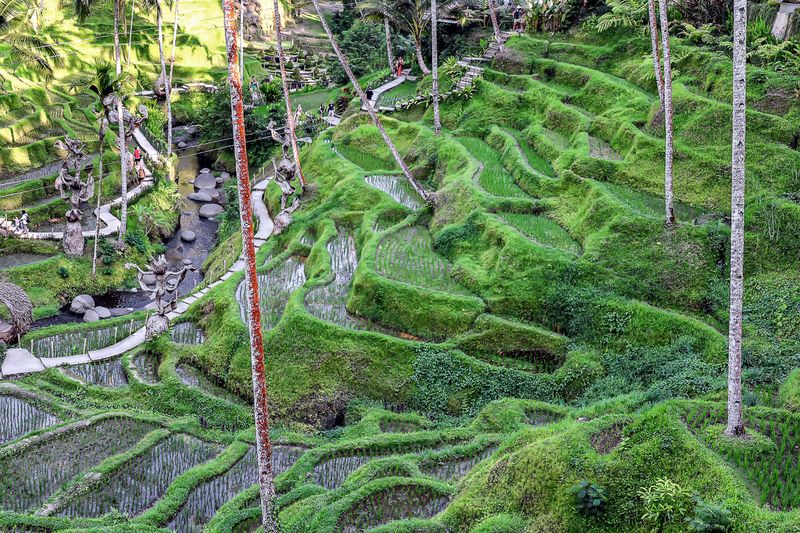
(735, 426)
(389, 54)
(651, 9)
(169, 81)
(161, 58)
(437, 123)
(99, 192)
(420, 60)
(130, 34)
(668, 209)
(290, 125)
(263, 445)
(375, 120)
(123, 151)
(495, 25)
(241, 38)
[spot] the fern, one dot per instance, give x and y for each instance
(623, 14)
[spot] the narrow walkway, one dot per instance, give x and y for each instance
(781, 25)
(41, 172)
(104, 215)
(20, 361)
(388, 86)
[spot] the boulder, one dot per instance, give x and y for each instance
(121, 311)
(102, 312)
(205, 171)
(213, 193)
(81, 303)
(220, 181)
(205, 181)
(200, 197)
(188, 236)
(91, 316)
(224, 176)
(210, 210)
(182, 145)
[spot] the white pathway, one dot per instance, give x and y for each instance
(20, 361)
(112, 223)
(385, 87)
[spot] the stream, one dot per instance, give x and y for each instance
(190, 162)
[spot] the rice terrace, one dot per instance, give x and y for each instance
(399, 266)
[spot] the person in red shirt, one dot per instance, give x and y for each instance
(137, 161)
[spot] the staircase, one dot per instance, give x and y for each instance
(474, 71)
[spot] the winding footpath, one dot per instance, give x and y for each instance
(20, 361)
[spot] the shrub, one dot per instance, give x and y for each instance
(789, 394)
(3, 350)
(709, 518)
(63, 272)
(590, 499)
(665, 501)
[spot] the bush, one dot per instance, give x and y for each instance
(63, 272)
(590, 499)
(709, 518)
(665, 501)
(3, 350)
(789, 394)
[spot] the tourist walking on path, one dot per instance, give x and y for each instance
(518, 14)
(254, 90)
(137, 162)
(321, 110)
(369, 93)
(330, 110)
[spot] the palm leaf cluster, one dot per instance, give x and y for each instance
(25, 47)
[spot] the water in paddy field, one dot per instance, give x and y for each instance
(15, 260)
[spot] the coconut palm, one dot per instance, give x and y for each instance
(651, 10)
(261, 407)
(437, 123)
(290, 117)
(82, 9)
(25, 46)
(735, 426)
(493, 17)
(375, 120)
(102, 124)
(169, 80)
(407, 16)
(668, 148)
(378, 11)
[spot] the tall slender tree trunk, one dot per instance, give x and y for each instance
(162, 59)
(99, 194)
(437, 123)
(169, 81)
(420, 60)
(290, 125)
(375, 120)
(123, 151)
(735, 426)
(495, 25)
(389, 53)
(668, 209)
(651, 9)
(130, 34)
(263, 445)
(241, 39)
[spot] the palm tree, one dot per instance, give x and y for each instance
(378, 10)
(409, 16)
(387, 31)
(290, 125)
(375, 120)
(82, 10)
(169, 81)
(102, 123)
(493, 17)
(437, 123)
(669, 211)
(263, 444)
(735, 426)
(28, 48)
(651, 9)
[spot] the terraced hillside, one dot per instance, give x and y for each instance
(533, 344)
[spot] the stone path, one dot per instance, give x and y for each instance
(46, 170)
(20, 361)
(391, 84)
(474, 71)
